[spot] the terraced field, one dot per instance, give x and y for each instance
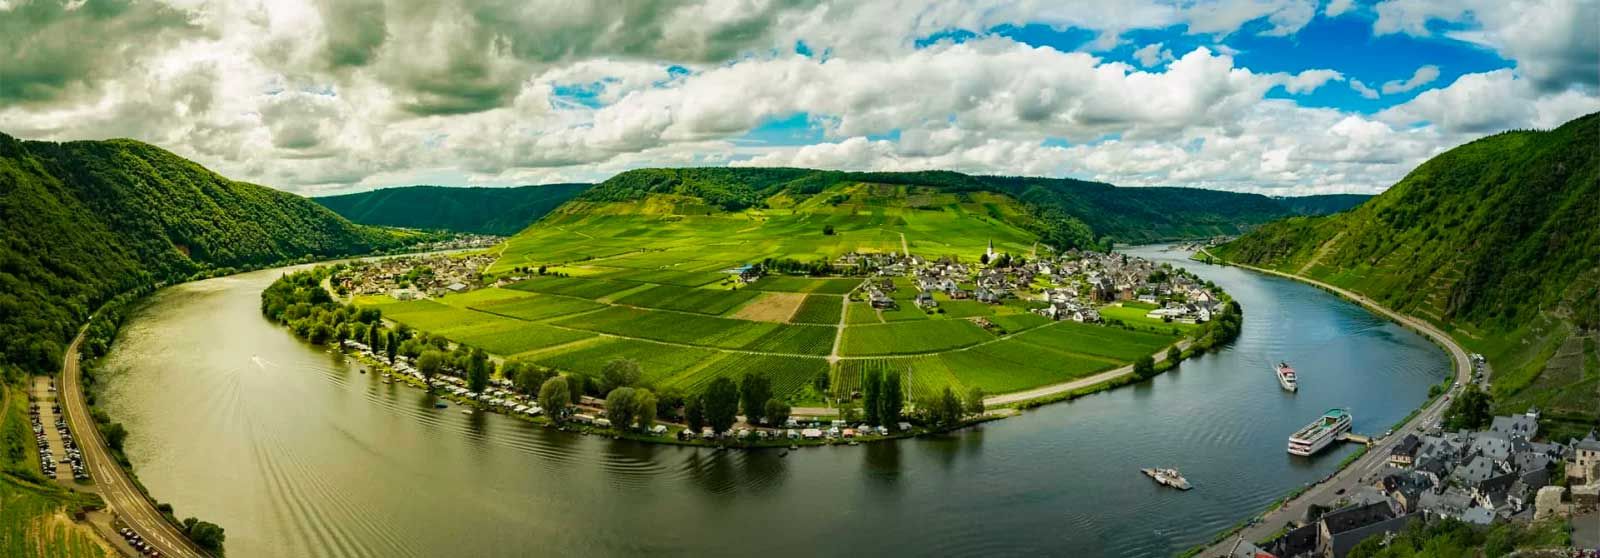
(686, 299)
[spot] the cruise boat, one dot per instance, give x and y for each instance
(1168, 477)
(1321, 432)
(1286, 377)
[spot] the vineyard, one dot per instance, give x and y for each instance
(819, 309)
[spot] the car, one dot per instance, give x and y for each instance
(1339, 491)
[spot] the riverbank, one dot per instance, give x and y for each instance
(832, 433)
(1351, 472)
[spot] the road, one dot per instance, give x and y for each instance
(122, 497)
(1365, 469)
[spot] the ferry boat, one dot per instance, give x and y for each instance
(1321, 432)
(1168, 477)
(1286, 377)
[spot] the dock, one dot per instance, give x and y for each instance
(1355, 438)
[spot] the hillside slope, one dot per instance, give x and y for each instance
(1062, 212)
(499, 211)
(1497, 240)
(87, 220)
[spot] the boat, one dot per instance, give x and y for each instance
(1168, 477)
(1321, 432)
(1286, 377)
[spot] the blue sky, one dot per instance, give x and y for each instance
(1285, 97)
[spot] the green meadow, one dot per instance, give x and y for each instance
(652, 280)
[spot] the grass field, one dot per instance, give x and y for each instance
(835, 285)
(707, 331)
(819, 309)
(657, 361)
(1093, 340)
(538, 307)
(858, 313)
(33, 511)
(789, 375)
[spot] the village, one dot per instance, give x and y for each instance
(1073, 285)
(416, 277)
(1506, 472)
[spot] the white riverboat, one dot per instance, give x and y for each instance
(1321, 432)
(1286, 377)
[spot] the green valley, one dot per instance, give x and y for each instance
(796, 274)
(1496, 241)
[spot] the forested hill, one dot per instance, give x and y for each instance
(501, 211)
(1066, 212)
(1498, 239)
(85, 221)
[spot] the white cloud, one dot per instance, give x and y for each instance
(313, 95)
(1423, 76)
(1337, 7)
(1490, 102)
(1363, 89)
(1553, 42)
(1152, 55)
(1310, 80)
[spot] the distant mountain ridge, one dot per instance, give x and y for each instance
(87, 220)
(1498, 240)
(1066, 212)
(498, 211)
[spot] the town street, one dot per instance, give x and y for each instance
(1362, 471)
(122, 498)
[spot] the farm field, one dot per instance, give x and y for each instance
(687, 299)
(1134, 316)
(819, 309)
(911, 337)
(655, 280)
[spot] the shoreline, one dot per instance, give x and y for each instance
(1222, 543)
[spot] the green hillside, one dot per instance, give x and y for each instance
(1062, 211)
(499, 211)
(87, 220)
(1497, 240)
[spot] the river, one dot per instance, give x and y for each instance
(296, 453)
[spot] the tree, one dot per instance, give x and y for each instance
(577, 385)
(375, 337)
(820, 383)
(975, 401)
(1174, 355)
(619, 372)
(667, 402)
(984, 259)
(478, 371)
(391, 346)
(430, 364)
(555, 396)
(754, 391)
(1470, 409)
(949, 412)
(115, 434)
(644, 408)
(777, 412)
(827, 230)
(1145, 367)
(620, 407)
(694, 413)
(204, 533)
(721, 402)
(891, 401)
(526, 376)
(871, 383)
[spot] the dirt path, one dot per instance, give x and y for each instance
(1052, 389)
(1321, 251)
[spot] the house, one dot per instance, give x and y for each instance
(880, 300)
(1492, 492)
(1477, 470)
(1585, 460)
(1339, 531)
(1405, 452)
(925, 300)
(1519, 426)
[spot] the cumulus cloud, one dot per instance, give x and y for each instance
(1363, 89)
(1423, 76)
(321, 95)
(1553, 42)
(1310, 80)
(1152, 55)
